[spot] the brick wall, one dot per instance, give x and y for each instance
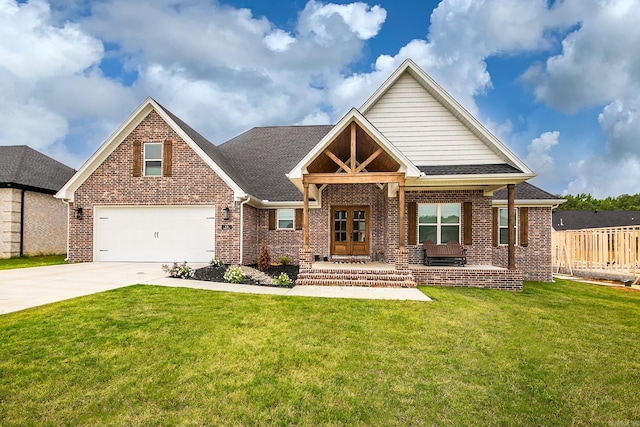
(535, 259)
(9, 222)
(479, 253)
(45, 224)
(192, 182)
(250, 238)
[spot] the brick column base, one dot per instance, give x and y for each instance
(402, 259)
(306, 259)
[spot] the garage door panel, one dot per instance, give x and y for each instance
(154, 234)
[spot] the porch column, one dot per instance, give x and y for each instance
(401, 215)
(305, 218)
(511, 224)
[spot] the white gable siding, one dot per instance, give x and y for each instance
(426, 132)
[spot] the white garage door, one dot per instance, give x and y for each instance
(154, 234)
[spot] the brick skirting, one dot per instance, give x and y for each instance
(479, 277)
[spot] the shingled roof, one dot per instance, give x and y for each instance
(23, 167)
(525, 191)
(578, 220)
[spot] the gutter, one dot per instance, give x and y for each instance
(22, 223)
(242, 203)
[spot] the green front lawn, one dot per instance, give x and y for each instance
(31, 261)
(555, 354)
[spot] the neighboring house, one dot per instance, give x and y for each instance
(578, 220)
(32, 221)
(410, 165)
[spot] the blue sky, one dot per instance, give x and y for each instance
(557, 81)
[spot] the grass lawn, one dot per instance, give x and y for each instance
(32, 261)
(555, 354)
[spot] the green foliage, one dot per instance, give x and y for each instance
(234, 274)
(264, 260)
(284, 259)
(33, 261)
(556, 354)
(217, 263)
(282, 280)
(586, 202)
(182, 271)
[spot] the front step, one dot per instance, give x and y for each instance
(387, 278)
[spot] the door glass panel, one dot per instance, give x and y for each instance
(340, 226)
(359, 226)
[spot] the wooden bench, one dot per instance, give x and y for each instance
(451, 253)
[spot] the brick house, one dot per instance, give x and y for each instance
(410, 165)
(32, 221)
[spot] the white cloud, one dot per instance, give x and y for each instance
(539, 157)
(278, 40)
(328, 21)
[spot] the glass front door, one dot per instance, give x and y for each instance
(350, 230)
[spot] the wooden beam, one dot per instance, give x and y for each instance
(337, 160)
(370, 159)
(401, 216)
(511, 225)
(305, 218)
(353, 146)
(353, 178)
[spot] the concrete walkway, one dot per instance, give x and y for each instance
(30, 287)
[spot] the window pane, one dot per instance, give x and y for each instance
(427, 232)
(153, 168)
(504, 236)
(427, 214)
(285, 223)
(285, 214)
(503, 217)
(450, 213)
(450, 232)
(152, 151)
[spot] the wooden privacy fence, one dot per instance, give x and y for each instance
(602, 253)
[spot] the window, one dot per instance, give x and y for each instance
(152, 159)
(439, 223)
(285, 219)
(503, 227)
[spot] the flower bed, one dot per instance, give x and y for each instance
(216, 274)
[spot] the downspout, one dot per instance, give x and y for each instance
(66, 202)
(242, 229)
(22, 223)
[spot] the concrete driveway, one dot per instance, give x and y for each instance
(30, 287)
(22, 288)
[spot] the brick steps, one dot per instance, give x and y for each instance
(356, 277)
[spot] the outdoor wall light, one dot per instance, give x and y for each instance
(78, 213)
(226, 213)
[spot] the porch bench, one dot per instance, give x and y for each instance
(451, 253)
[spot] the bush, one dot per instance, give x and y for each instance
(217, 263)
(263, 261)
(284, 260)
(183, 271)
(282, 280)
(234, 274)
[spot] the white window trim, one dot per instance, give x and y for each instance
(293, 219)
(439, 221)
(500, 227)
(145, 160)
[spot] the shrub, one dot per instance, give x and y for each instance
(263, 261)
(183, 271)
(282, 280)
(217, 263)
(234, 274)
(284, 260)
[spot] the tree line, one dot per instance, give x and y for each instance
(586, 202)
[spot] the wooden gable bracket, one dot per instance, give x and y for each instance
(339, 162)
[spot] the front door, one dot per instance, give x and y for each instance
(350, 230)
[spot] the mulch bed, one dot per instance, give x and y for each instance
(216, 274)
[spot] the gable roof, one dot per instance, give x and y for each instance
(577, 220)
(353, 115)
(450, 104)
(23, 167)
(203, 148)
